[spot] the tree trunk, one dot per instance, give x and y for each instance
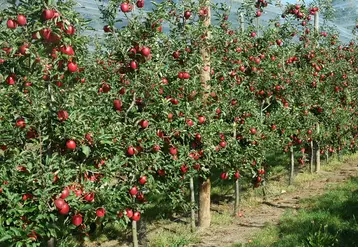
(204, 203)
(327, 156)
(205, 184)
(237, 197)
(192, 200)
(292, 166)
(242, 22)
(316, 22)
(142, 232)
(51, 242)
(134, 233)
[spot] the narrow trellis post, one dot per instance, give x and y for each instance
(312, 157)
(192, 201)
(292, 158)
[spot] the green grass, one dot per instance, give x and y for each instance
(171, 235)
(328, 220)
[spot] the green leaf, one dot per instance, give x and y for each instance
(86, 150)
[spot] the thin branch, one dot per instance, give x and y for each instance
(130, 107)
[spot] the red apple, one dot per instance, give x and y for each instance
(48, 14)
(100, 212)
(72, 67)
(71, 145)
(65, 193)
(77, 219)
(65, 209)
(21, 20)
(145, 51)
(62, 115)
(11, 24)
(59, 203)
(136, 216)
(133, 191)
(142, 180)
(129, 213)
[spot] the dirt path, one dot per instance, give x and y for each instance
(242, 229)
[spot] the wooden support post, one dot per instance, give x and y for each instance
(192, 200)
(292, 168)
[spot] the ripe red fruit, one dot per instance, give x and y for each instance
(142, 180)
(71, 144)
(196, 167)
(134, 65)
(145, 51)
(27, 196)
(237, 175)
(133, 191)
(67, 50)
(189, 122)
(59, 203)
(23, 49)
(65, 209)
(77, 219)
(62, 115)
(224, 176)
(117, 104)
(125, 7)
(186, 75)
(187, 14)
(258, 179)
(70, 30)
(21, 20)
(156, 148)
(11, 24)
(10, 80)
(48, 14)
(130, 150)
(72, 67)
(144, 124)
(100, 212)
(20, 123)
(140, 4)
(136, 216)
(173, 151)
(253, 131)
(161, 172)
(176, 54)
(107, 29)
(65, 193)
(89, 197)
(222, 144)
(184, 168)
(201, 119)
(129, 213)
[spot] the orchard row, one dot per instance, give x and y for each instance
(97, 137)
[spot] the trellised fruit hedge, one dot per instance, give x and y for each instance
(96, 137)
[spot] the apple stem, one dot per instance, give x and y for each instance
(192, 200)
